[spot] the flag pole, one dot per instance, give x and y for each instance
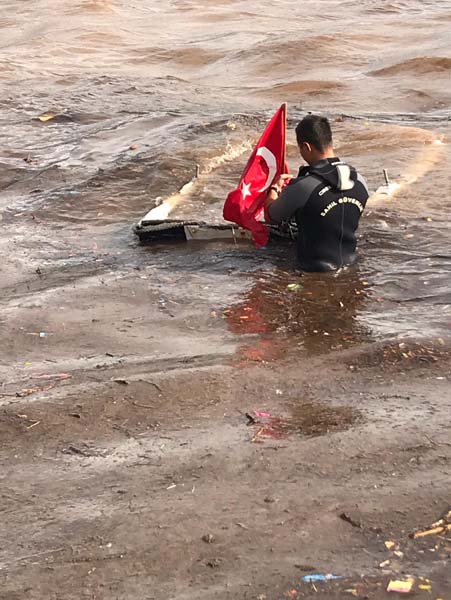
(285, 109)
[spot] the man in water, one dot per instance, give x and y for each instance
(326, 199)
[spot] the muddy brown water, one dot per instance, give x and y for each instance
(184, 83)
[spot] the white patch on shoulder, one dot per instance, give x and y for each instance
(344, 178)
(324, 190)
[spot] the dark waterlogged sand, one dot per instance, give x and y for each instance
(197, 421)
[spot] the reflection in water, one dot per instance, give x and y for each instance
(316, 311)
(308, 419)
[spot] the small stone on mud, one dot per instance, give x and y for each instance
(305, 567)
(214, 563)
(354, 522)
(208, 538)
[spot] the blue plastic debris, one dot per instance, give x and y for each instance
(320, 577)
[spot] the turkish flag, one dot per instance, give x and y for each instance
(245, 205)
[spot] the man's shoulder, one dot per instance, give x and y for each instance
(361, 179)
(358, 176)
(303, 187)
(307, 181)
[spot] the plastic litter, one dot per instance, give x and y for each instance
(401, 587)
(320, 577)
(48, 116)
(443, 525)
(425, 584)
(52, 375)
(41, 334)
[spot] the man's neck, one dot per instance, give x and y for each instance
(328, 153)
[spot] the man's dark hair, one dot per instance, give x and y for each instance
(316, 131)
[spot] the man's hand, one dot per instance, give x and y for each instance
(274, 192)
(282, 181)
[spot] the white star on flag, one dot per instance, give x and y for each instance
(245, 190)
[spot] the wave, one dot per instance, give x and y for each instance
(230, 153)
(391, 8)
(381, 139)
(420, 65)
(96, 6)
(303, 52)
(187, 56)
(304, 87)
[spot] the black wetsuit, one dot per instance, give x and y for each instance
(327, 200)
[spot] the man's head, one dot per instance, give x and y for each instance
(314, 138)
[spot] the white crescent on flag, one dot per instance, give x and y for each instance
(271, 163)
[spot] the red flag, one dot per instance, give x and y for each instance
(245, 205)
